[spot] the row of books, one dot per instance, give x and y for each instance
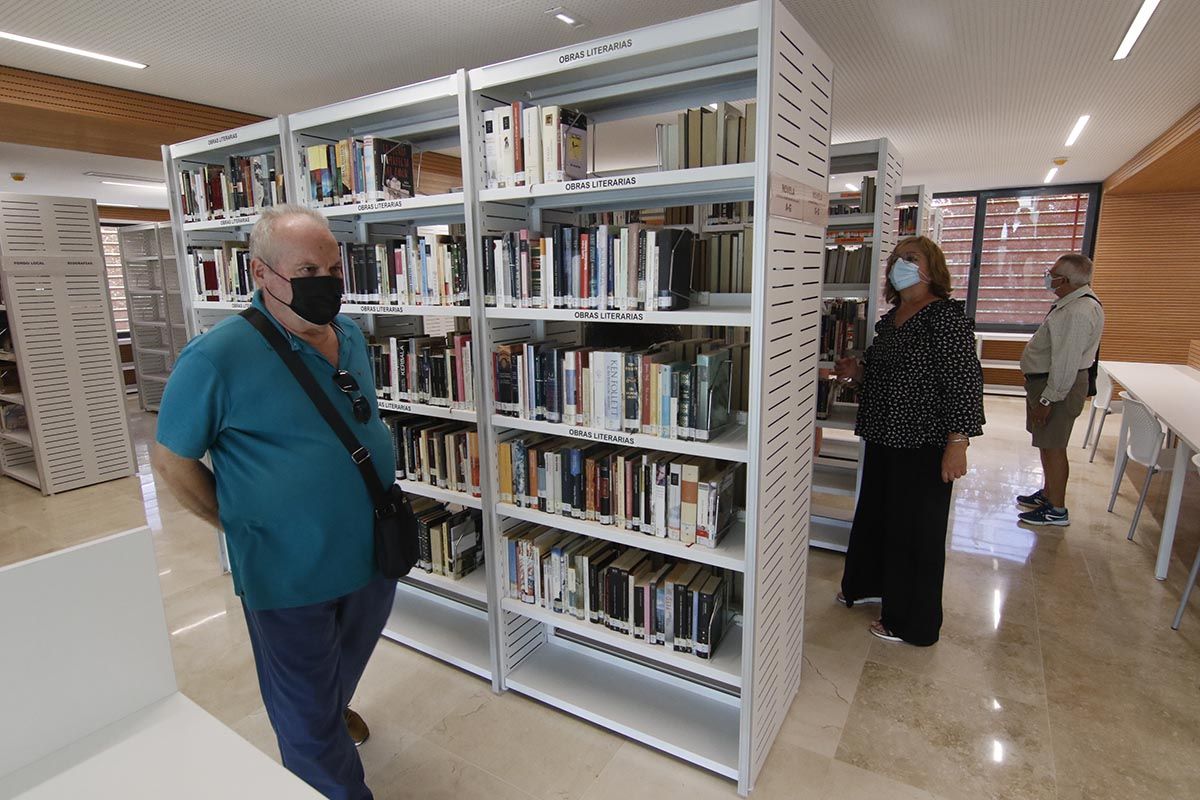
(831, 392)
(687, 499)
(243, 185)
(433, 370)
(526, 144)
(843, 328)
(848, 264)
(450, 542)
(358, 170)
(908, 217)
(439, 453)
(707, 137)
(671, 215)
(222, 274)
(735, 213)
(866, 200)
(416, 270)
(673, 390)
(602, 267)
(729, 262)
(680, 605)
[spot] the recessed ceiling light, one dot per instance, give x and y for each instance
(566, 17)
(118, 176)
(62, 48)
(852, 187)
(1050, 175)
(133, 185)
(1135, 28)
(1078, 129)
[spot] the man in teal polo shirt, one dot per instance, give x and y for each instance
(296, 514)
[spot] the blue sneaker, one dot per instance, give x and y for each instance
(1035, 500)
(1046, 515)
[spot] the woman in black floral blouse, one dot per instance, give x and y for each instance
(921, 401)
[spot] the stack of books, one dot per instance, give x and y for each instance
(684, 498)
(416, 270)
(433, 370)
(527, 144)
(673, 390)
(602, 267)
(437, 453)
(244, 185)
(451, 542)
(370, 169)
(680, 604)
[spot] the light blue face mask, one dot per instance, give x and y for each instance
(904, 274)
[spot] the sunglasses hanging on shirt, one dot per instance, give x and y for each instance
(349, 386)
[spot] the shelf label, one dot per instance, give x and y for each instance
(795, 200)
(379, 205)
(237, 221)
(598, 50)
(618, 316)
(392, 405)
(239, 305)
(357, 308)
(601, 436)
(232, 136)
(600, 183)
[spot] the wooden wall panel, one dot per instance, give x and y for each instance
(121, 214)
(437, 173)
(51, 111)
(1194, 354)
(1169, 164)
(1148, 276)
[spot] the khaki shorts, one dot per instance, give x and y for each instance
(1056, 433)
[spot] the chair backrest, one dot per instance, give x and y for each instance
(83, 643)
(1104, 389)
(1146, 433)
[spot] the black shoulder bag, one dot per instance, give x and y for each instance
(396, 546)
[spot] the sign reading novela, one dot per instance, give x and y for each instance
(601, 436)
(600, 183)
(598, 50)
(624, 316)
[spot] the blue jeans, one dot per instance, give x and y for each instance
(309, 660)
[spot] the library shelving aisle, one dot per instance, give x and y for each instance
(64, 347)
(721, 713)
(852, 298)
(916, 214)
(156, 313)
(443, 617)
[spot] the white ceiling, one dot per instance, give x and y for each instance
(60, 172)
(975, 93)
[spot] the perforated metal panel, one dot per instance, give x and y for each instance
(784, 377)
(58, 307)
(156, 316)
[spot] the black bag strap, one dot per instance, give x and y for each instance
(359, 454)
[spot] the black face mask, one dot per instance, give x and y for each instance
(316, 299)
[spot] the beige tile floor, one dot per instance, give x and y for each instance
(1057, 674)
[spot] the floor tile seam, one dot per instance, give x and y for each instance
(478, 766)
(952, 684)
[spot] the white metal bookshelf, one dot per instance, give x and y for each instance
(724, 713)
(841, 453)
(929, 218)
(157, 318)
(64, 347)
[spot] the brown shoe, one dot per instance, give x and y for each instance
(357, 729)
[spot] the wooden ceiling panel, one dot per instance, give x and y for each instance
(1168, 165)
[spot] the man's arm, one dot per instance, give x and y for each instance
(189, 480)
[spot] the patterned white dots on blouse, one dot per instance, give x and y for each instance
(922, 380)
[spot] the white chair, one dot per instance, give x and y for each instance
(1103, 402)
(1145, 446)
(1187, 592)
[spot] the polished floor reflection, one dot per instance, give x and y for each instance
(1057, 674)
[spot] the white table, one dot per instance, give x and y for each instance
(1172, 393)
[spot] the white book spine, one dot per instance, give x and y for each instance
(506, 173)
(551, 151)
(569, 399)
(491, 148)
(532, 131)
(599, 368)
(614, 388)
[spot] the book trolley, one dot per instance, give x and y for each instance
(720, 713)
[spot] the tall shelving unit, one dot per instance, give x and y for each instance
(157, 319)
(928, 218)
(64, 346)
(722, 714)
(837, 471)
